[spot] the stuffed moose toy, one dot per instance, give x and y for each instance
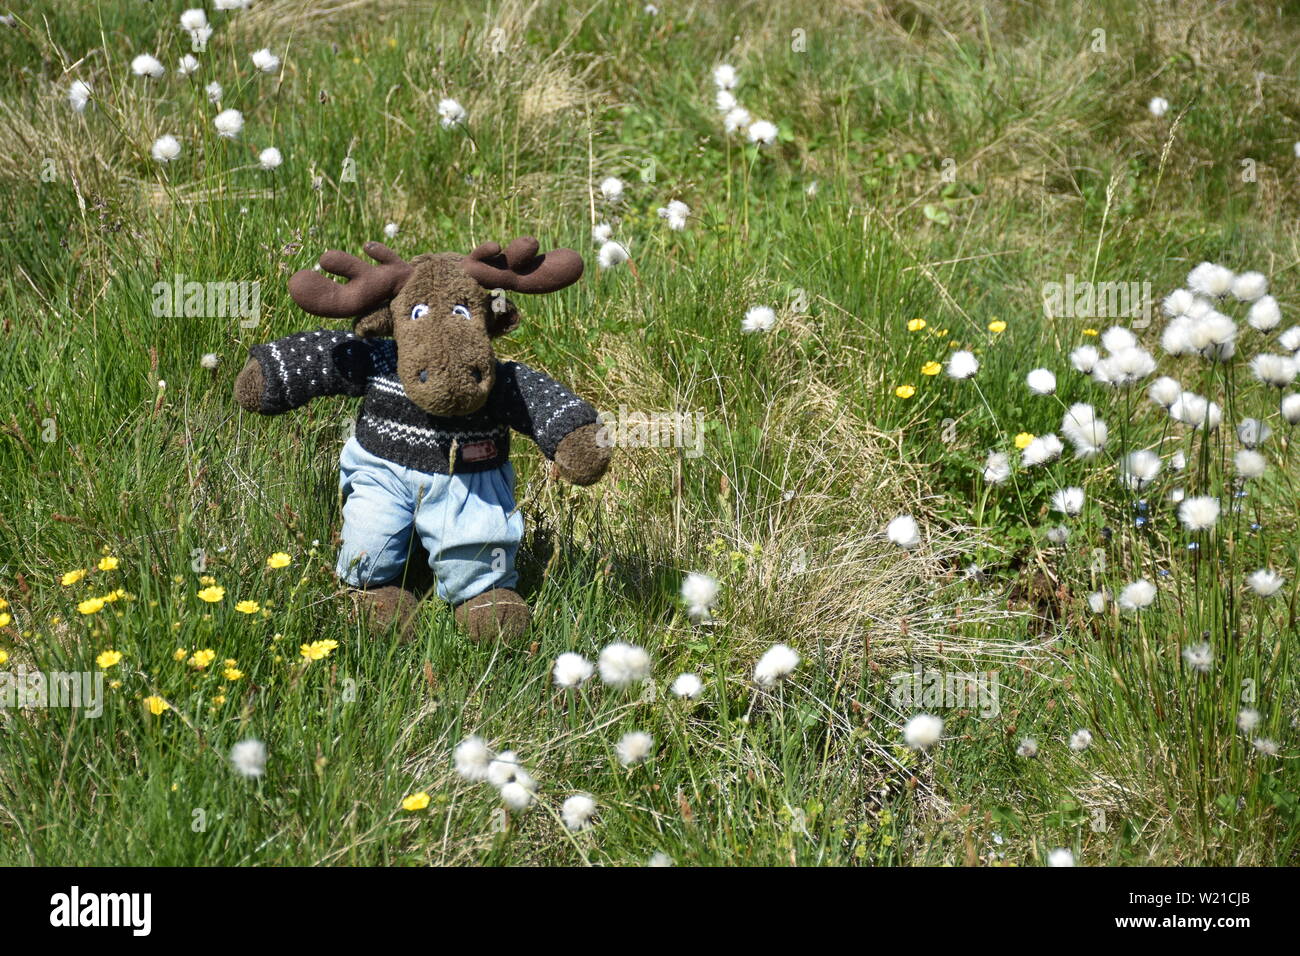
(431, 452)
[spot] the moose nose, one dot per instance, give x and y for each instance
(424, 375)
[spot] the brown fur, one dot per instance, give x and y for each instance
(499, 614)
(249, 386)
(581, 458)
(389, 606)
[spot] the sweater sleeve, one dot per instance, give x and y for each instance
(307, 365)
(536, 405)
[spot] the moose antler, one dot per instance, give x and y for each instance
(520, 269)
(367, 288)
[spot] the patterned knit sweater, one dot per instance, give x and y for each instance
(308, 365)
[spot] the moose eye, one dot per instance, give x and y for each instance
(461, 311)
(420, 311)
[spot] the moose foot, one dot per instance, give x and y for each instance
(499, 613)
(388, 606)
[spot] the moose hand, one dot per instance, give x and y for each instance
(250, 386)
(582, 457)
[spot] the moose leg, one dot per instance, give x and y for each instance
(499, 614)
(390, 606)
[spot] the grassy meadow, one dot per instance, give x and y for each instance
(933, 168)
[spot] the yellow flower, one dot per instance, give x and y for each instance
(905, 391)
(115, 684)
(108, 563)
(1089, 331)
(202, 659)
(5, 619)
(1023, 440)
(179, 654)
(941, 332)
(72, 577)
(318, 649)
(218, 700)
(916, 325)
(931, 368)
(997, 325)
(207, 580)
(416, 801)
(232, 673)
(108, 659)
(91, 605)
(156, 705)
(112, 596)
(212, 593)
(247, 607)
(4, 656)
(3, 604)
(278, 560)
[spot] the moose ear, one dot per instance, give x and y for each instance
(502, 316)
(376, 325)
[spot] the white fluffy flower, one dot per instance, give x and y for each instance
(1080, 740)
(249, 758)
(577, 811)
(1276, 370)
(390, 230)
(660, 859)
(1041, 381)
(1199, 657)
(904, 532)
(210, 361)
(1137, 595)
(923, 731)
(1247, 720)
(1061, 856)
(1084, 430)
(194, 19)
(214, 91)
(758, 319)
(79, 95)
(1141, 468)
(270, 158)
(600, 234)
(1085, 358)
(1177, 302)
(1117, 338)
(1210, 280)
(1200, 513)
(1125, 367)
(1192, 409)
(501, 769)
(571, 670)
(736, 120)
(1028, 748)
(1290, 339)
(1068, 501)
(516, 796)
(1097, 601)
(997, 467)
(676, 212)
(166, 148)
(1264, 314)
(188, 64)
(688, 686)
(1164, 391)
(762, 132)
(699, 594)
(1290, 408)
(1249, 286)
(1158, 106)
(775, 665)
(1041, 450)
(634, 747)
(1177, 336)
(472, 758)
(229, 123)
(1249, 463)
(1266, 747)
(623, 664)
(612, 254)
(148, 65)
(265, 60)
(963, 364)
(450, 113)
(1265, 582)
(724, 76)
(611, 187)
(725, 101)
(1058, 535)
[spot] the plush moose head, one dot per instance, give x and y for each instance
(443, 310)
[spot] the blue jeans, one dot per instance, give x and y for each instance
(468, 523)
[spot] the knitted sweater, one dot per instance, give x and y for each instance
(308, 365)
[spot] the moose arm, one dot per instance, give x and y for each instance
(291, 371)
(564, 426)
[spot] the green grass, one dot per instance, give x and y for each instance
(1059, 169)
